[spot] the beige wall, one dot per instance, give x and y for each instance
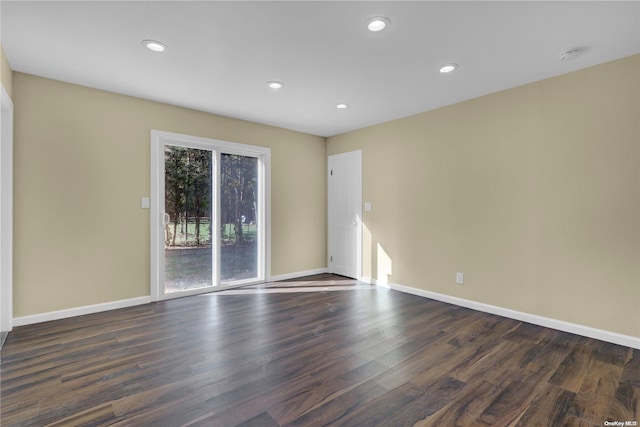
(81, 165)
(5, 73)
(533, 193)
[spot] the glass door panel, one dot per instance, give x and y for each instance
(239, 218)
(188, 219)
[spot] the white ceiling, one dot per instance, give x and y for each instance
(221, 54)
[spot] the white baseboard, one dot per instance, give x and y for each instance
(586, 331)
(79, 311)
(298, 274)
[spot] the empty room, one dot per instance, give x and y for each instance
(320, 213)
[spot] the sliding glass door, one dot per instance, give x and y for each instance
(209, 216)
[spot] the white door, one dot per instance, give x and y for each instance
(345, 214)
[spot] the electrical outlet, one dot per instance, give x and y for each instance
(460, 278)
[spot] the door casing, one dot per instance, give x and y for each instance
(6, 212)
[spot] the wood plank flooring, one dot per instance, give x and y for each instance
(346, 354)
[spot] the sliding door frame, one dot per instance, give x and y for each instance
(158, 141)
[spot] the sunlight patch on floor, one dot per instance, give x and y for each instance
(290, 289)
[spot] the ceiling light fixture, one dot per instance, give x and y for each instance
(341, 106)
(275, 85)
(154, 45)
(572, 53)
(377, 23)
(448, 68)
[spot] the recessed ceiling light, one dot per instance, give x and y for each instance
(572, 53)
(275, 85)
(154, 45)
(341, 106)
(377, 23)
(448, 68)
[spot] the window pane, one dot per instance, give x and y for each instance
(188, 201)
(239, 217)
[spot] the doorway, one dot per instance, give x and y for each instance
(209, 214)
(6, 214)
(345, 214)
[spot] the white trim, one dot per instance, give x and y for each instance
(297, 274)
(6, 211)
(587, 331)
(154, 219)
(79, 311)
(266, 191)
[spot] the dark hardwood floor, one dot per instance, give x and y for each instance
(347, 354)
